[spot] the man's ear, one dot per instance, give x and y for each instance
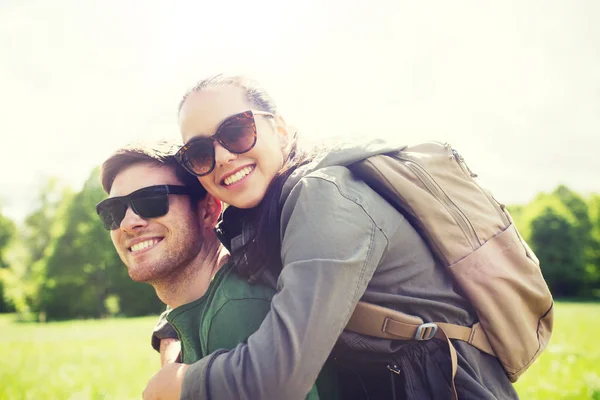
(209, 210)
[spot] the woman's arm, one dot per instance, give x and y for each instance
(330, 249)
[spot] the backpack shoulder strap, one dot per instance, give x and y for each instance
(373, 320)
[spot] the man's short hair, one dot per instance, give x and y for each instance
(159, 154)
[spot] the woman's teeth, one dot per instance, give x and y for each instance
(238, 176)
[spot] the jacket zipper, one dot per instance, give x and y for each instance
(463, 165)
(435, 189)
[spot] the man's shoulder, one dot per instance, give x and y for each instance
(235, 310)
(233, 287)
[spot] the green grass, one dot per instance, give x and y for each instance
(112, 359)
(570, 366)
(95, 359)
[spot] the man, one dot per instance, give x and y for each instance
(161, 222)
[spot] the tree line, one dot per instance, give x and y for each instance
(60, 262)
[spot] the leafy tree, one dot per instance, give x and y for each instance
(7, 231)
(22, 278)
(41, 225)
(577, 206)
(549, 223)
(16, 285)
(5, 304)
(594, 248)
(556, 244)
(584, 231)
(31, 247)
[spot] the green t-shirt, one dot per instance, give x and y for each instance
(228, 313)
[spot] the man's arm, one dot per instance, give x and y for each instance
(165, 340)
(230, 325)
(170, 350)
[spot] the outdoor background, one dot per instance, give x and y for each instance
(513, 85)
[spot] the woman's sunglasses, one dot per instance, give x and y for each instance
(237, 134)
(148, 202)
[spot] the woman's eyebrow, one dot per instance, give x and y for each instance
(207, 135)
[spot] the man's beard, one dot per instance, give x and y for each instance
(173, 264)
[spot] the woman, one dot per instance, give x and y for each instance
(329, 240)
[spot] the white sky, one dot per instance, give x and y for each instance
(514, 86)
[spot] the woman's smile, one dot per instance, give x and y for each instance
(238, 176)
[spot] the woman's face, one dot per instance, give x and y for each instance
(240, 180)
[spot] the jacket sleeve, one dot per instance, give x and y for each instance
(330, 250)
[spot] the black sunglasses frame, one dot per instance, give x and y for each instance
(247, 116)
(108, 218)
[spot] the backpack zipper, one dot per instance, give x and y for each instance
(435, 189)
(463, 165)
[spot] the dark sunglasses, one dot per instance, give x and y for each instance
(237, 134)
(148, 202)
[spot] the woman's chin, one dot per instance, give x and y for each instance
(247, 200)
(246, 204)
(247, 193)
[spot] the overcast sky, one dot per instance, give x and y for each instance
(513, 85)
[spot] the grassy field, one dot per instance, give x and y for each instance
(570, 367)
(96, 359)
(111, 359)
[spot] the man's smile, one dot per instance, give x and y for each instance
(144, 244)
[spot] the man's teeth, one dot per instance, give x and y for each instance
(144, 244)
(238, 176)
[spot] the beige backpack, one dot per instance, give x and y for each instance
(475, 238)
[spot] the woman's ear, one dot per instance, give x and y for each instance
(210, 210)
(283, 131)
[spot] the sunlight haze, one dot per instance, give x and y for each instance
(514, 86)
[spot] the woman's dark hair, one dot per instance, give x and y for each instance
(264, 251)
(255, 94)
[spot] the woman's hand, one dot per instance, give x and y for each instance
(166, 383)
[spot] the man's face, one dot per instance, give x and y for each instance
(154, 248)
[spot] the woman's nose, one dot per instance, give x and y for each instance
(222, 155)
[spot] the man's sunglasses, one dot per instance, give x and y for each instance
(148, 202)
(237, 134)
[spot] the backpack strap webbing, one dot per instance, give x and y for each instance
(454, 360)
(373, 320)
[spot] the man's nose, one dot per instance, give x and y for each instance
(222, 155)
(131, 221)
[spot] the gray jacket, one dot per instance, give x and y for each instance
(342, 242)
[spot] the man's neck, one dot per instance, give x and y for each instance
(190, 283)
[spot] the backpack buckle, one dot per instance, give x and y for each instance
(426, 331)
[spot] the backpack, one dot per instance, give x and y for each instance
(475, 238)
